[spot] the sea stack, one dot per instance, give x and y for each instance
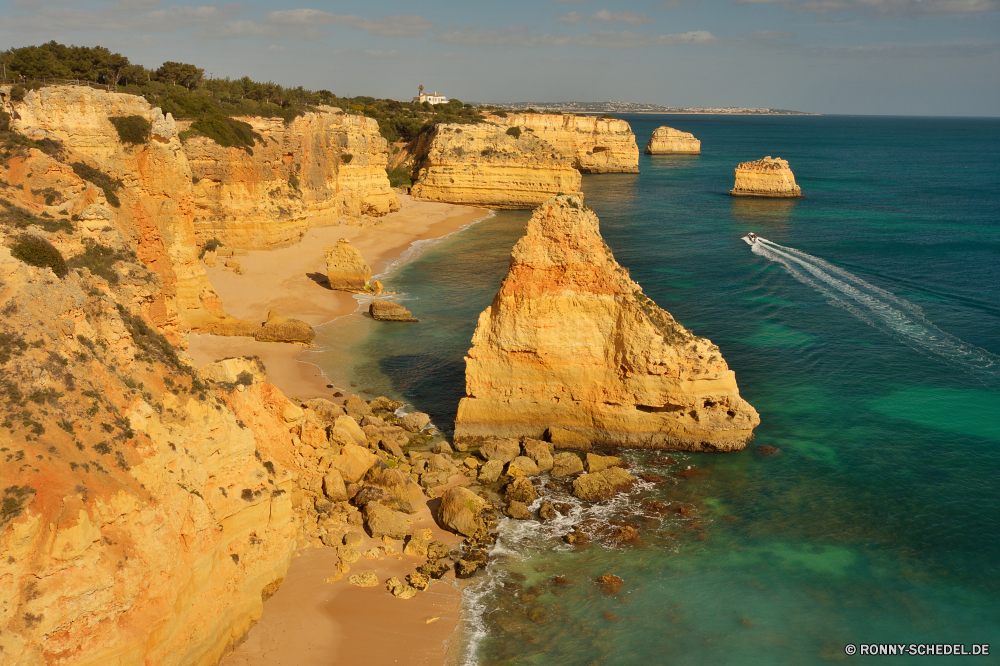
(769, 177)
(669, 141)
(345, 267)
(571, 342)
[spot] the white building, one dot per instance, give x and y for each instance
(429, 98)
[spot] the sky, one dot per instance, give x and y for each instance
(890, 57)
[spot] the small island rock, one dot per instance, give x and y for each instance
(346, 268)
(669, 141)
(388, 311)
(765, 178)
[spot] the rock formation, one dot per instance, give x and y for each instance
(488, 165)
(156, 209)
(571, 342)
(668, 141)
(765, 178)
(278, 328)
(317, 168)
(389, 311)
(596, 145)
(346, 268)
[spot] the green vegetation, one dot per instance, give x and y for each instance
(101, 179)
(514, 132)
(39, 252)
(132, 129)
(14, 499)
(11, 344)
(226, 132)
(19, 218)
(4, 121)
(399, 177)
(210, 246)
(101, 260)
(346, 158)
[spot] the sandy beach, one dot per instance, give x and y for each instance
(309, 621)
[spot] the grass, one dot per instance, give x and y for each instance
(37, 251)
(133, 130)
(101, 179)
(14, 216)
(101, 260)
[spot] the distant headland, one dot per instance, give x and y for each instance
(639, 107)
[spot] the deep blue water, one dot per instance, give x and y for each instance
(865, 334)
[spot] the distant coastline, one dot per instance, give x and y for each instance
(634, 107)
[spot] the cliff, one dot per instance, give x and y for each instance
(484, 165)
(668, 141)
(317, 169)
(596, 145)
(765, 178)
(146, 514)
(152, 180)
(571, 342)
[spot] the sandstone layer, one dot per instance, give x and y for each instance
(346, 269)
(571, 342)
(765, 178)
(318, 168)
(146, 515)
(669, 141)
(483, 165)
(596, 145)
(156, 210)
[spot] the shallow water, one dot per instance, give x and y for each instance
(864, 332)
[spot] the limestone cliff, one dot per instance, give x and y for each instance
(156, 208)
(571, 342)
(484, 165)
(669, 141)
(316, 169)
(146, 515)
(596, 145)
(765, 178)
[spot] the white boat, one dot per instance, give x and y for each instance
(750, 238)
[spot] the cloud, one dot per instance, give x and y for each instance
(769, 35)
(886, 7)
(606, 16)
(520, 37)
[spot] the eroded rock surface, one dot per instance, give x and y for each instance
(346, 269)
(571, 341)
(669, 141)
(767, 177)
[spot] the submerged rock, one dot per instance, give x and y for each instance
(601, 486)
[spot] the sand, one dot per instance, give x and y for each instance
(308, 621)
(291, 280)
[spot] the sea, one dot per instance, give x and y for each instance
(865, 330)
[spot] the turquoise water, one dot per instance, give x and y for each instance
(865, 334)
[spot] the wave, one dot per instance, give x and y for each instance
(881, 309)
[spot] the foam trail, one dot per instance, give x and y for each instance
(879, 308)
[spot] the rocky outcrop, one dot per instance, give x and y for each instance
(346, 268)
(596, 145)
(488, 165)
(765, 178)
(571, 342)
(318, 168)
(389, 311)
(146, 515)
(156, 210)
(668, 141)
(279, 328)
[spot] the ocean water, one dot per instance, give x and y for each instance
(865, 332)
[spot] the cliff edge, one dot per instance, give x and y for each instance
(596, 145)
(669, 141)
(486, 165)
(766, 177)
(571, 342)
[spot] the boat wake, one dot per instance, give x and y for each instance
(879, 308)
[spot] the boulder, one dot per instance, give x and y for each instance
(434, 570)
(357, 408)
(284, 329)
(471, 563)
(404, 495)
(547, 511)
(418, 580)
(567, 440)
(439, 463)
(353, 462)
(539, 451)
(520, 490)
(503, 450)
(609, 583)
(601, 486)
(244, 370)
(565, 464)
(353, 538)
(415, 421)
(333, 486)
(490, 472)
(371, 420)
(518, 510)
(346, 268)
(382, 521)
(417, 544)
(522, 466)
(348, 554)
(436, 550)
(388, 311)
(442, 447)
(384, 404)
(400, 590)
(472, 463)
(460, 511)
(596, 463)
(366, 579)
(326, 410)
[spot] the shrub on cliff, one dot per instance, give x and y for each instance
(210, 246)
(17, 93)
(399, 177)
(4, 121)
(101, 179)
(227, 132)
(514, 132)
(37, 251)
(346, 158)
(132, 129)
(101, 260)
(19, 218)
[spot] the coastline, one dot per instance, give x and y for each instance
(309, 620)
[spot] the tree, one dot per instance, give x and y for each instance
(180, 74)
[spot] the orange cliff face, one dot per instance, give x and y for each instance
(146, 514)
(596, 145)
(571, 342)
(320, 168)
(156, 209)
(486, 165)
